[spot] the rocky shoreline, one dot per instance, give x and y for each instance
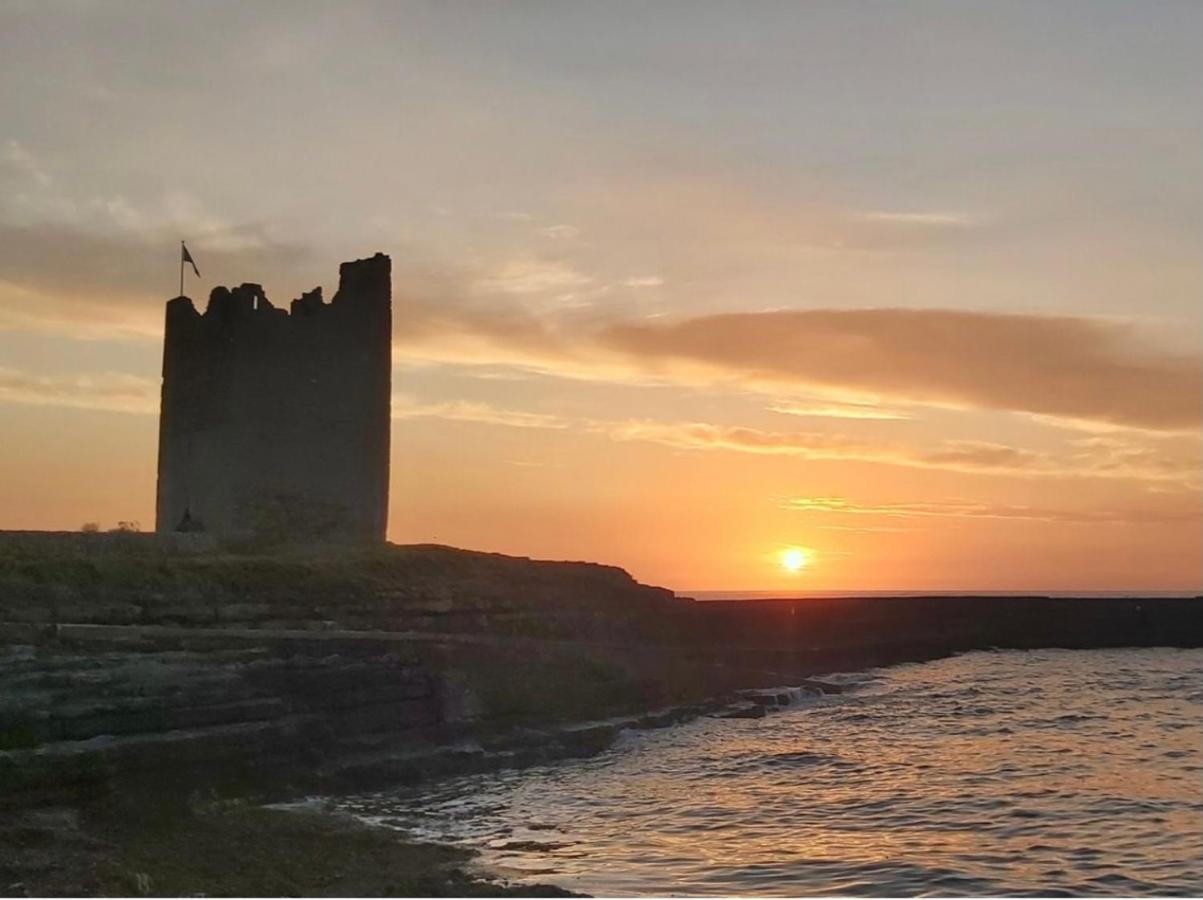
(156, 840)
(130, 846)
(153, 694)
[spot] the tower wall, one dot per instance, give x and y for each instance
(276, 422)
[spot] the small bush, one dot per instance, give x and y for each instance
(90, 527)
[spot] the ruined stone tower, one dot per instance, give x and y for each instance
(276, 423)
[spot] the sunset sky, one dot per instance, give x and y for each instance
(911, 287)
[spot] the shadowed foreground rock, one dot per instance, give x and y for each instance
(126, 660)
(132, 847)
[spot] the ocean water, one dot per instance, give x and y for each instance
(1010, 772)
(812, 595)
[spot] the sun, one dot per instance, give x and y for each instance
(794, 559)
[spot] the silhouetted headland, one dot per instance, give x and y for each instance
(231, 667)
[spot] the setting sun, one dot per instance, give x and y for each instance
(794, 559)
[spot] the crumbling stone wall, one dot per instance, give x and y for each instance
(275, 423)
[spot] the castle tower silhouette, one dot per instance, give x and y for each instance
(275, 422)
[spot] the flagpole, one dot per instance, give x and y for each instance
(181, 268)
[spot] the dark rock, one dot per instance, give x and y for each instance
(751, 711)
(768, 699)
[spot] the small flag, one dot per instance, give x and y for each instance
(186, 257)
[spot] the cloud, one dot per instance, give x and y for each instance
(965, 509)
(100, 265)
(922, 219)
(60, 279)
(404, 407)
(560, 232)
(960, 456)
(839, 410)
(19, 161)
(644, 281)
(1171, 457)
(1175, 461)
(110, 391)
(1077, 371)
(121, 392)
(866, 529)
(81, 265)
(1057, 366)
(533, 276)
(121, 266)
(952, 455)
(975, 457)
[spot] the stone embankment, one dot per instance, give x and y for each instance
(125, 660)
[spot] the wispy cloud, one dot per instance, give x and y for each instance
(560, 232)
(20, 161)
(923, 219)
(110, 391)
(72, 280)
(959, 456)
(1178, 511)
(839, 410)
(532, 276)
(865, 529)
(92, 265)
(1173, 461)
(405, 407)
(956, 456)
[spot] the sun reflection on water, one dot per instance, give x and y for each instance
(986, 773)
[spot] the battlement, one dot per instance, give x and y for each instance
(276, 421)
(361, 282)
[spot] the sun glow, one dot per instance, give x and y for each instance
(794, 559)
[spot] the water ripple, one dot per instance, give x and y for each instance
(1042, 773)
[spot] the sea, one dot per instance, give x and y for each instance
(1044, 772)
(819, 595)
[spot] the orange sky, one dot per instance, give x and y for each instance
(913, 287)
